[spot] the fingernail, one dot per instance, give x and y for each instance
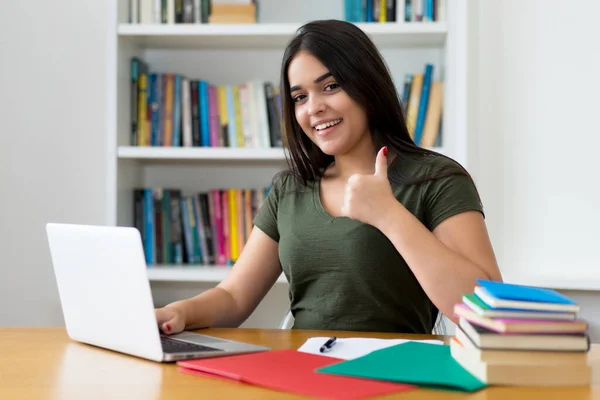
(385, 150)
(167, 327)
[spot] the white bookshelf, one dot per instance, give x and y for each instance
(214, 274)
(200, 153)
(237, 53)
(198, 36)
(207, 153)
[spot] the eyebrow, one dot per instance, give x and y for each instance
(319, 79)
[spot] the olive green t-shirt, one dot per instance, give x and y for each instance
(346, 275)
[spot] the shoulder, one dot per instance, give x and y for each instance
(285, 183)
(419, 168)
(444, 187)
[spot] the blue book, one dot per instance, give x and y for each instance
(203, 105)
(148, 238)
(369, 12)
(507, 295)
(153, 103)
(188, 240)
(423, 102)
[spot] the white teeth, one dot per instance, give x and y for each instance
(327, 124)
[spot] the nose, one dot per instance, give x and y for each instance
(316, 105)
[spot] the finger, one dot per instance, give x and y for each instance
(165, 322)
(381, 162)
(168, 326)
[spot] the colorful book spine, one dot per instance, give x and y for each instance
(233, 228)
(214, 116)
(423, 101)
(204, 114)
(177, 115)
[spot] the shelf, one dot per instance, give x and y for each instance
(207, 153)
(267, 35)
(200, 153)
(213, 274)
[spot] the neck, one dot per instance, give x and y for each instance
(359, 160)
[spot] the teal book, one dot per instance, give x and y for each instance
(481, 308)
(423, 364)
(509, 291)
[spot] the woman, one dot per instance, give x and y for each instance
(372, 232)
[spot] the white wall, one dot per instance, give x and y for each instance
(535, 133)
(52, 139)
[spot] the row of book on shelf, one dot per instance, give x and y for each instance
(192, 11)
(203, 228)
(423, 98)
(168, 109)
(511, 334)
(394, 10)
(245, 11)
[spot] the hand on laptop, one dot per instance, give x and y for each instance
(170, 320)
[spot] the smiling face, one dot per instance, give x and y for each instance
(326, 114)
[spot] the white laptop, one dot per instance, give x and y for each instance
(106, 299)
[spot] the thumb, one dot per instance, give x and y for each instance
(381, 162)
(166, 320)
(168, 326)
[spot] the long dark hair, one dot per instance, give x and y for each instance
(358, 67)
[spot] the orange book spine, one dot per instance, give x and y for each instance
(434, 115)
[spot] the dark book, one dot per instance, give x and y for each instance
(208, 231)
(390, 12)
(273, 116)
(195, 113)
(158, 226)
(176, 251)
(485, 338)
(138, 210)
(178, 11)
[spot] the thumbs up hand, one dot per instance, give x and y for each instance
(369, 197)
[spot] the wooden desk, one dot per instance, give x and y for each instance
(43, 363)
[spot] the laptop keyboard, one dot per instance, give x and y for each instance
(170, 345)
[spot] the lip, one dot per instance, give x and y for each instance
(328, 130)
(322, 121)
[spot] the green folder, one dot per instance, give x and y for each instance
(423, 364)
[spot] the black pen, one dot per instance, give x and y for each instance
(328, 344)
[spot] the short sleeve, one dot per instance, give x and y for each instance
(449, 196)
(266, 217)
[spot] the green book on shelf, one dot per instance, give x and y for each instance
(424, 364)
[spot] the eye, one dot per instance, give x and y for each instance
(331, 86)
(298, 98)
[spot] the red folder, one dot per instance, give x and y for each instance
(291, 371)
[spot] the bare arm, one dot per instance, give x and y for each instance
(234, 299)
(448, 261)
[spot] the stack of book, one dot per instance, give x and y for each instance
(521, 335)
